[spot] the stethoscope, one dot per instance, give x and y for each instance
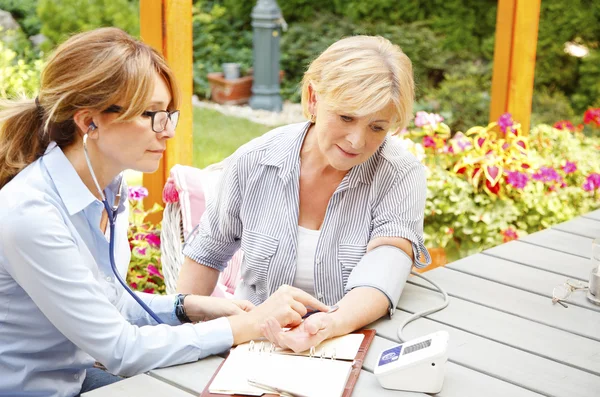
(112, 218)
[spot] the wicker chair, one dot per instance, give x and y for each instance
(186, 194)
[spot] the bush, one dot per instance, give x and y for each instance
(549, 107)
(488, 186)
(17, 75)
(463, 97)
(218, 38)
(61, 18)
(24, 12)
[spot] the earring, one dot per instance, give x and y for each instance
(313, 118)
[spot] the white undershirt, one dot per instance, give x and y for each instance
(305, 267)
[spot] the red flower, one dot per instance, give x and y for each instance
(149, 290)
(592, 116)
(509, 235)
(564, 125)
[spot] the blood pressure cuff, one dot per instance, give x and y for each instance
(386, 268)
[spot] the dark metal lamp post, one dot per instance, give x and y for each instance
(266, 24)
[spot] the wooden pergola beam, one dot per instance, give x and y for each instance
(517, 24)
(166, 25)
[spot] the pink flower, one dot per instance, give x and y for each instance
(517, 179)
(592, 182)
(137, 193)
(133, 285)
(564, 125)
(432, 119)
(592, 116)
(505, 121)
(428, 141)
(509, 235)
(569, 167)
(153, 271)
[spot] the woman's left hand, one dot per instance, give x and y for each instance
(313, 330)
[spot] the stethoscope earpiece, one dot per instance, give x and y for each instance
(93, 126)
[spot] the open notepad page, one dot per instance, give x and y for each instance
(345, 347)
(299, 375)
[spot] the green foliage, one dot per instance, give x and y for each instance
(24, 12)
(548, 108)
(17, 76)
(463, 97)
(469, 209)
(218, 38)
(61, 18)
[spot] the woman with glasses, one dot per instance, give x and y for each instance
(333, 206)
(106, 103)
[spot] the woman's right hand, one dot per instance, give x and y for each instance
(287, 305)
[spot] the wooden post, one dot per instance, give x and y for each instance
(514, 59)
(166, 25)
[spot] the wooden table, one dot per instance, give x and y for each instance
(507, 339)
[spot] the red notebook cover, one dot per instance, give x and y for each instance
(356, 368)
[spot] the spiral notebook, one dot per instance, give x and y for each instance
(328, 370)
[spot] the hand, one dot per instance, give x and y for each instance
(311, 332)
(287, 306)
(205, 308)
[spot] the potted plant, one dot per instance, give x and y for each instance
(235, 90)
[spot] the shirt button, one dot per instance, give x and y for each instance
(76, 376)
(109, 279)
(320, 295)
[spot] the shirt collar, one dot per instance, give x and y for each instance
(71, 189)
(285, 154)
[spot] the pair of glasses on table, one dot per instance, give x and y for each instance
(562, 292)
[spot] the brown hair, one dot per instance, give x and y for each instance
(94, 70)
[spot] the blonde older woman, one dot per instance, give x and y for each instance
(331, 206)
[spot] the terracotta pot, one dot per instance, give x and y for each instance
(231, 92)
(438, 258)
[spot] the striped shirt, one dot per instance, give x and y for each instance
(257, 209)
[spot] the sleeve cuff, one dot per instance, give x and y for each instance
(215, 336)
(164, 307)
(385, 268)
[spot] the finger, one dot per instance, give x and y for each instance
(314, 324)
(294, 320)
(274, 331)
(268, 330)
(264, 329)
(245, 305)
(308, 300)
(298, 307)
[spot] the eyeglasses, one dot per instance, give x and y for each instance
(159, 118)
(562, 292)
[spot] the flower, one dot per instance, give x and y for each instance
(137, 193)
(149, 290)
(592, 182)
(428, 141)
(564, 125)
(547, 174)
(569, 167)
(423, 119)
(592, 116)
(517, 179)
(505, 121)
(509, 235)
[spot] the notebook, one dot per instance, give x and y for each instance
(328, 370)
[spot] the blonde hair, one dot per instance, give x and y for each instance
(362, 75)
(93, 70)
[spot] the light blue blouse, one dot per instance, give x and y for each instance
(61, 307)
